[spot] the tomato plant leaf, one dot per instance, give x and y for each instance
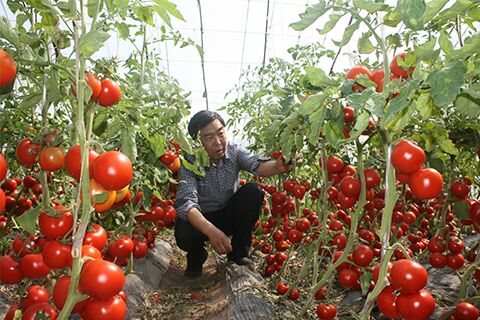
(100, 122)
(411, 13)
(366, 281)
(123, 30)
(445, 43)
(468, 103)
(319, 78)
(157, 144)
(397, 104)
(144, 14)
(426, 51)
(316, 122)
(7, 32)
(128, 144)
(369, 100)
(425, 105)
(331, 23)
(470, 47)
(448, 146)
(333, 131)
(365, 46)
(49, 19)
(402, 119)
(347, 35)
(446, 83)
(162, 13)
(171, 8)
(28, 220)
(93, 7)
(457, 8)
(370, 6)
(461, 210)
(361, 123)
(92, 41)
(100, 197)
(392, 19)
(311, 104)
(311, 14)
(432, 8)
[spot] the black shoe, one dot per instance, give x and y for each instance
(195, 261)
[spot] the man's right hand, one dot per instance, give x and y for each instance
(219, 240)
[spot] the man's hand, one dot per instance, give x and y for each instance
(281, 166)
(218, 240)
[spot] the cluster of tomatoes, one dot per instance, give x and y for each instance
(106, 92)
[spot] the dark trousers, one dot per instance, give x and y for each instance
(237, 219)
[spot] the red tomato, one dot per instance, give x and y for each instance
(294, 294)
(110, 93)
(33, 267)
(407, 157)
(346, 202)
(348, 114)
(438, 260)
(121, 248)
(46, 310)
(458, 189)
(111, 309)
(426, 183)
(378, 77)
(60, 294)
(140, 249)
(8, 67)
(466, 311)
(168, 157)
(35, 294)
(294, 235)
(409, 276)
(175, 165)
(94, 84)
(113, 170)
(3, 168)
(397, 70)
(53, 227)
(282, 288)
(372, 178)
(51, 159)
(326, 311)
(11, 311)
(348, 278)
(350, 186)
(357, 70)
(27, 152)
(97, 237)
(3, 200)
(73, 161)
(170, 214)
(386, 303)
(10, 272)
(418, 306)
(334, 164)
(455, 261)
(101, 279)
(362, 255)
(56, 255)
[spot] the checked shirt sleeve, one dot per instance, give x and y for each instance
(249, 161)
(187, 196)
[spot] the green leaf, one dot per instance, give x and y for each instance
(461, 210)
(39, 4)
(392, 19)
(397, 104)
(426, 51)
(448, 146)
(425, 105)
(29, 101)
(347, 35)
(8, 33)
(331, 23)
(432, 8)
(311, 14)
(446, 83)
(198, 170)
(411, 13)
(49, 19)
(171, 8)
(361, 123)
(457, 8)
(128, 144)
(28, 220)
(93, 7)
(470, 47)
(445, 43)
(333, 131)
(123, 30)
(365, 46)
(21, 19)
(468, 104)
(92, 41)
(319, 78)
(316, 122)
(370, 6)
(369, 100)
(100, 197)
(402, 119)
(311, 104)
(162, 13)
(53, 88)
(157, 144)
(144, 14)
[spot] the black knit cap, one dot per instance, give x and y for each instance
(202, 119)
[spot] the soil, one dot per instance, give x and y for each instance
(180, 298)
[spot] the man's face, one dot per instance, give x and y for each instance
(214, 140)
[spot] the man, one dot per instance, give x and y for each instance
(214, 207)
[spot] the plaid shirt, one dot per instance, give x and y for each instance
(211, 192)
